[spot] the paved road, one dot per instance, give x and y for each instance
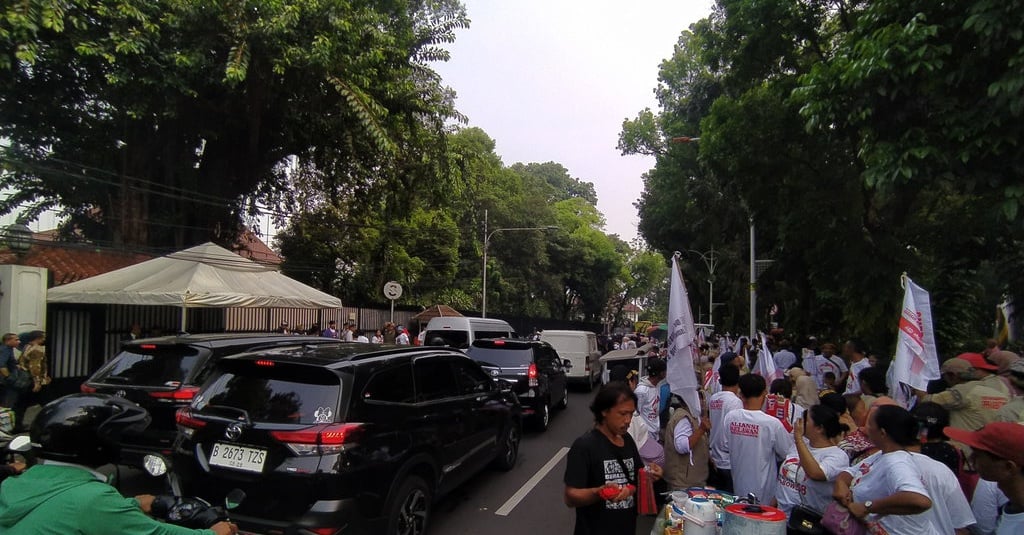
(473, 508)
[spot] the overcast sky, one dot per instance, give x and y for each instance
(552, 80)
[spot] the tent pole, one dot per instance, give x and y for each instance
(184, 319)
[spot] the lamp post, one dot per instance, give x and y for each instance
(487, 241)
(753, 257)
(711, 263)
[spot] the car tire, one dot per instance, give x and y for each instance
(543, 417)
(509, 452)
(564, 402)
(409, 508)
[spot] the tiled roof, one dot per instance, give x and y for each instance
(71, 262)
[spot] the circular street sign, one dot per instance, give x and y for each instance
(392, 290)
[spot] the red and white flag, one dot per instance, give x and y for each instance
(765, 365)
(682, 342)
(917, 360)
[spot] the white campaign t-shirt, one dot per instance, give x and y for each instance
(853, 383)
(795, 488)
(882, 475)
(1011, 524)
(719, 405)
(950, 509)
(757, 443)
(985, 505)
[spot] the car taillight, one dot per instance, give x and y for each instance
(189, 423)
(86, 389)
(531, 374)
(181, 394)
(323, 531)
(319, 439)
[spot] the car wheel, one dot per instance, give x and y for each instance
(543, 417)
(409, 508)
(564, 402)
(509, 453)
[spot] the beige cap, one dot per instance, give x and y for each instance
(956, 365)
(1003, 359)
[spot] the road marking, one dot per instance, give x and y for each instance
(512, 502)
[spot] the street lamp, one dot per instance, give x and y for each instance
(711, 262)
(487, 241)
(753, 257)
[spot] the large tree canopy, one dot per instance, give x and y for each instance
(161, 123)
(864, 139)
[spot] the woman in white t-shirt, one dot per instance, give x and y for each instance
(887, 488)
(807, 474)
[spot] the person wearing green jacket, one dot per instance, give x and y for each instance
(63, 494)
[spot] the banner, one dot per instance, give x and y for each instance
(765, 365)
(917, 360)
(1004, 324)
(681, 342)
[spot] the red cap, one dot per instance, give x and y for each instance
(977, 360)
(1002, 439)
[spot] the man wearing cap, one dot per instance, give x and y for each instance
(999, 457)
(1014, 410)
(975, 393)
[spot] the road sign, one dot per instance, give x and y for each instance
(392, 290)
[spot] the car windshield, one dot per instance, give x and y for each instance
(167, 366)
(456, 339)
(273, 399)
(501, 358)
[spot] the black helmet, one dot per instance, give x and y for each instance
(86, 428)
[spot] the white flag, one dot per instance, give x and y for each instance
(765, 366)
(917, 360)
(682, 347)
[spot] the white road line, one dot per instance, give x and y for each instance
(512, 502)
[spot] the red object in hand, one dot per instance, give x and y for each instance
(630, 486)
(608, 493)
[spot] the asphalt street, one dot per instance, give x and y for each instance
(524, 501)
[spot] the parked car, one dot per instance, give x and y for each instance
(346, 439)
(163, 374)
(579, 348)
(532, 369)
(460, 332)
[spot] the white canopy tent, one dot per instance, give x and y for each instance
(206, 275)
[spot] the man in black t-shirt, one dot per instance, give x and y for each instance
(602, 466)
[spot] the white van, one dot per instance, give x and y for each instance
(580, 348)
(459, 332)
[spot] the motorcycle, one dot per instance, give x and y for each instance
(189, 512)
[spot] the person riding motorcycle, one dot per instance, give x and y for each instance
(63, 493)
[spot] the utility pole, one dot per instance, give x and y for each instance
(753, 283)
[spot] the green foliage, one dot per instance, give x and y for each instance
(188, 113)
(865, 139)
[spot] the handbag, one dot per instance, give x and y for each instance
(19, 379)
(803, 519)
(838, 521)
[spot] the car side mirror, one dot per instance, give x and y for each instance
(567, 363)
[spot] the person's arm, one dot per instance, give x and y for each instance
(683, 436)
(951, 399)
(111, 513)
(575, 497)
(902, 503)
(841, 490)
(807, 460)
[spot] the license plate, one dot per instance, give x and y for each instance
(238, 457)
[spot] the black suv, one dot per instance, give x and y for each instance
(531, 368)
(347, 439)
(163, 374)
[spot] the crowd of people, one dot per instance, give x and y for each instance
(389, 333)
(24, 377)
(825, 440)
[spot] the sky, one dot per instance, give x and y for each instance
(552, 80)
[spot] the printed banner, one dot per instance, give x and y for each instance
(682, 343)
(917, 360)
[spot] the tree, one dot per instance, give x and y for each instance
(167, 123)
(808, 115)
